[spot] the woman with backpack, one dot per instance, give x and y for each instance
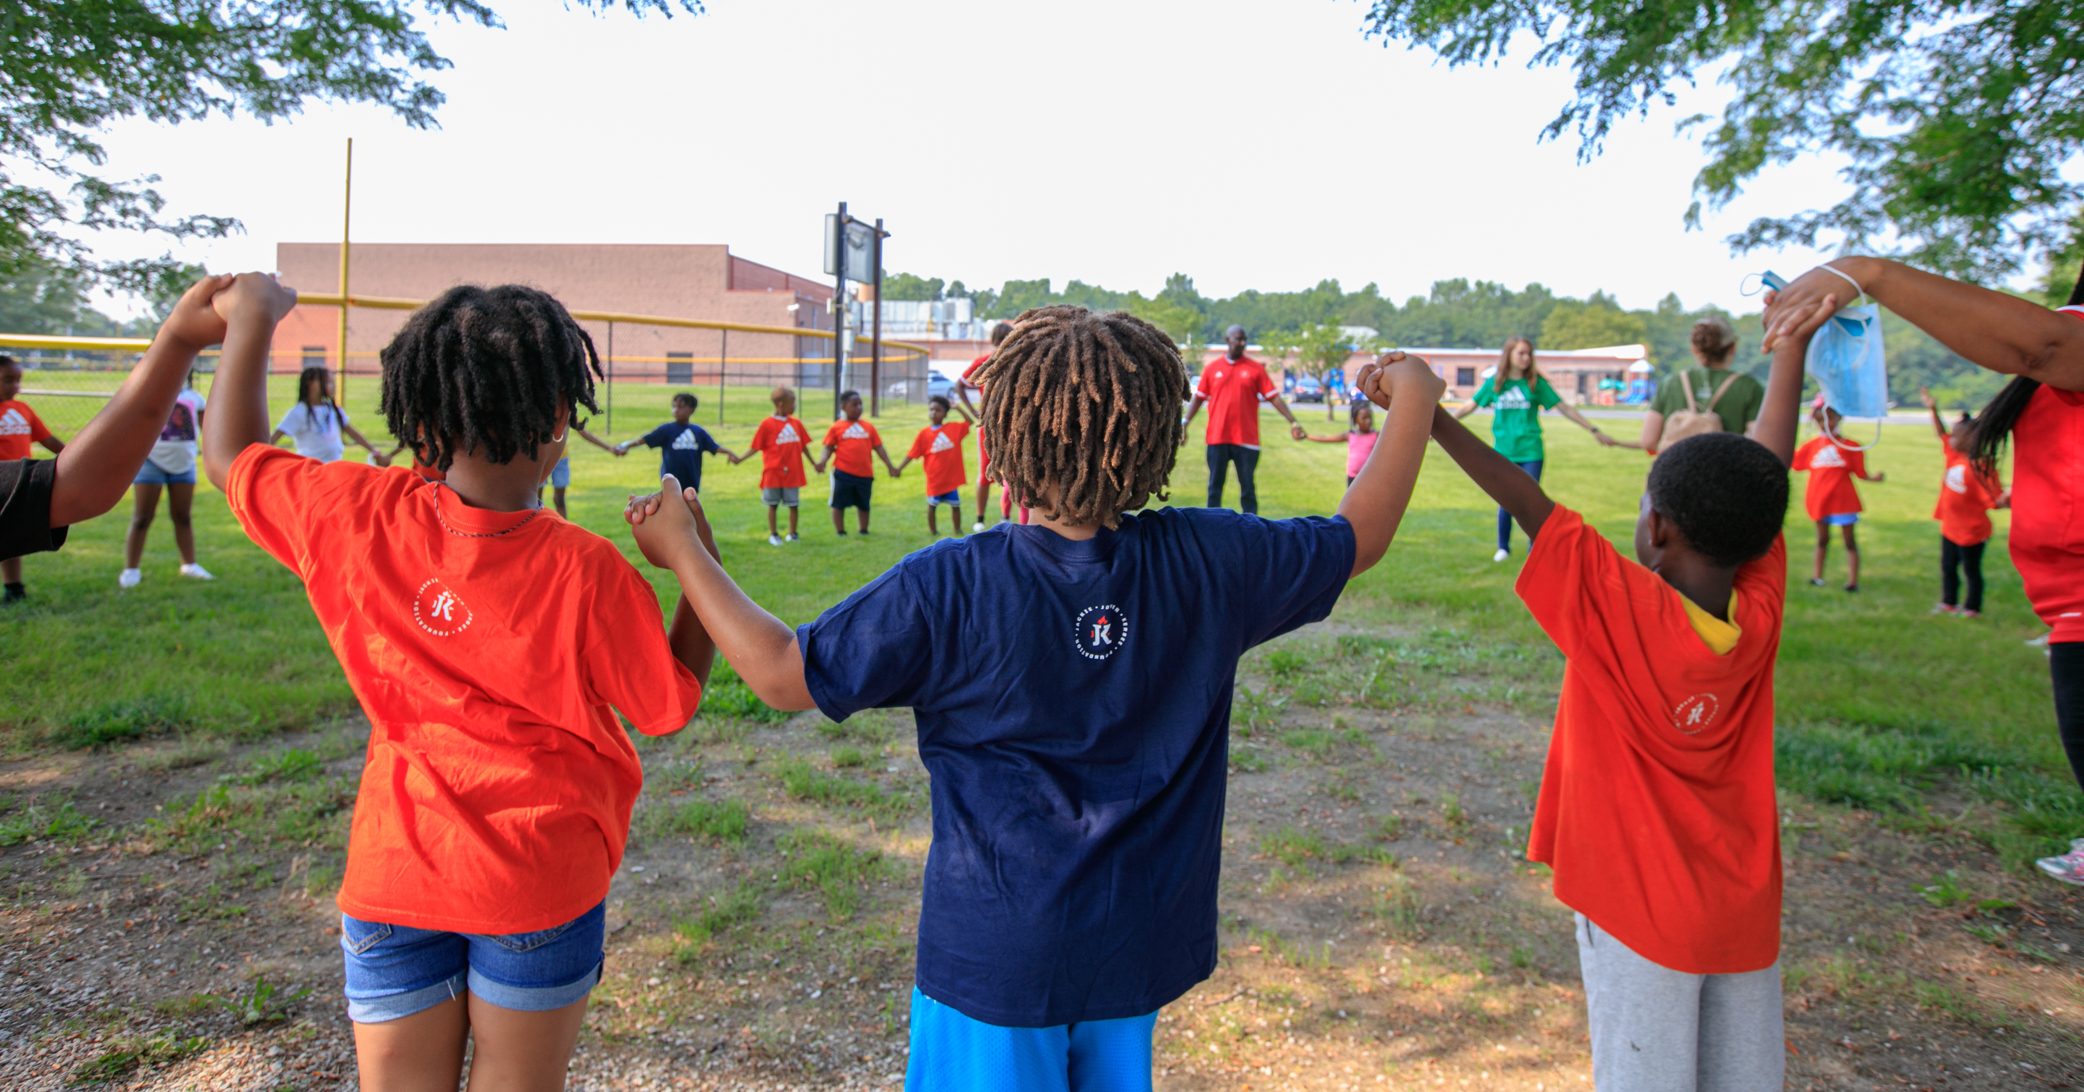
(1517, 392)
(1710, 398)
(2040, 415)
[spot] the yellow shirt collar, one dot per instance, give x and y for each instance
(1718, 635)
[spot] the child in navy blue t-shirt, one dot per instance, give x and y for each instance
(1077, 782)
(681, 443)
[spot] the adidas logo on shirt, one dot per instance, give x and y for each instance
(854, 432)
(787, 435)
(12, 423)
(941, 443)
(686, 442)
(1828, 456)
(1513, 398)
(1957, 479)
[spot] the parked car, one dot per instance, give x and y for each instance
(1308, 389)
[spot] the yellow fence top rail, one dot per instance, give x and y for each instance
(384, 303)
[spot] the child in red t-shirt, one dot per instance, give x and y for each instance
(780, 440)
(492, 645)
(1965, 498)
(999, 334)
(1657, 806)
(939, 445)
(1830, 498)
(848, 444)
(19, 428)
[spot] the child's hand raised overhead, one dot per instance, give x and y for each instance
(1398, 374)
(254, 296)
(194, 322)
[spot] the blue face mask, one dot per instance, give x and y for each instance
(1845, 358)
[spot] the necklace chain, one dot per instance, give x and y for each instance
(533, 512)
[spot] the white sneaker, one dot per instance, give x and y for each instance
(130, 578)
(1501, 555)
(792, 538)
(977, 528)
(2069, 868)
(773, 540)
(196, 571)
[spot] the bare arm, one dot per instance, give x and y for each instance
(1780, 420)
(1992, 330)
(1339, 439)
(597, 441)
(1408, 392)
(56, 446)
(1465, 411)
(1295, 428)
(886, 460)
(1932, 404)
(1193, 408)
(1514, 489)
(97, 466)
(963, 407)
(1570, 411)
(238, 417)
(761, 647)
(354, 434)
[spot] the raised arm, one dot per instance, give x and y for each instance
(1932, 406)
(1992, 330)
(1408, 392)
(1779, 421)
(1514, 489)
(98, 465)
(238, 416)
(760, 647)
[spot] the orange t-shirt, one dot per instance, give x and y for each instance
(1657, 806)
(780, 442)
(1831, 467)
(1965, 499)
(491, 651)
(851, 443)
(20, 427)
(940, 448)
(983, 452)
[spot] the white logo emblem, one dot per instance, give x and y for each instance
(941, 443)
(438, 610)
(1957, 478)
(1828, 456)
(1513, 398)
(686, 441)
(787, 435)
(1100, 631)
(854, 432)
(1695, 713)
(12, 423)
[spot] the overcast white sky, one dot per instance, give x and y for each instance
(1247, 143)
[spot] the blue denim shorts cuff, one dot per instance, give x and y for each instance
(376, 1010)
(533, 998)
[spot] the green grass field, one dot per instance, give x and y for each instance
(1877, 698)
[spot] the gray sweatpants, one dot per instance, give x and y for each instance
(1659, 1030)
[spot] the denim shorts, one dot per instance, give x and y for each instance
(1840, 519)
(394, 971)
(152, 475)
(561, 474)
(953, 496)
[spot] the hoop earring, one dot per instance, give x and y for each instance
(559, 438)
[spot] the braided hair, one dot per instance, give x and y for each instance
(1993, 427)
(484, 371)
(1083, 408)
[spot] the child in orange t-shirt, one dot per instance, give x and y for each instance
(19, 428)
(848, 444)
(1657, 808)
(939, 445)
(1963, 512)
(492, 645)
(1831, 499)
(780, 440)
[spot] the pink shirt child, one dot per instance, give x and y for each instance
(1359, 445)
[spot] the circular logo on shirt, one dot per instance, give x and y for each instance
(438, 610)
(1695, 713)
(1100, 631)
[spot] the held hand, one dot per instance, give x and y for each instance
(1604, 439)
(378, 458)
(671, 528)
(1788, 308)
(1925, 396)
(1295, 431)
(1879, 477)
(254, 296)
(1399, 374)
(639, 507)
(194, 323)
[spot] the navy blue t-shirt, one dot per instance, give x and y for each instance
(1073, 704)
(681, 447)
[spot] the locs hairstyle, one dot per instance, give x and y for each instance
(484, 370)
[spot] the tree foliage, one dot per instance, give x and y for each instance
(1593, 324)
(74, 66)
(1958, 116)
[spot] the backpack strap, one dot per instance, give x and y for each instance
(1686, 387)
(1718, 392)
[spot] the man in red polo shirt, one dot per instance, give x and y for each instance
(1232, 385)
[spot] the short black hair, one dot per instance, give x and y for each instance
(942, 399)
(690, 399)
(10, 362)
(1726, 493)
(484, 370)
(845, 395)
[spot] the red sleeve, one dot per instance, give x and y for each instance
(290, 506)
(1266, 383)
(1803, 455)
(1856, 461)
(38, 431)
(832, 435)
(1567, 564)
(961, 430)
(631, 666)
(875, 439)
(762, 435)
(920, 444)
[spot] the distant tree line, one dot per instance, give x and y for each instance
(1456, 314)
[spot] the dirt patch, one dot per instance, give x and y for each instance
(168, 922)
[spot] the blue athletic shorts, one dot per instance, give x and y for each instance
(395, 970)
(1841, 519)
(152, 475)
(953, 496)
(561, 474)
(953, 1053)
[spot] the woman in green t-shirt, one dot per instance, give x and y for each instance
(1714, 344)
(1517, 393)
